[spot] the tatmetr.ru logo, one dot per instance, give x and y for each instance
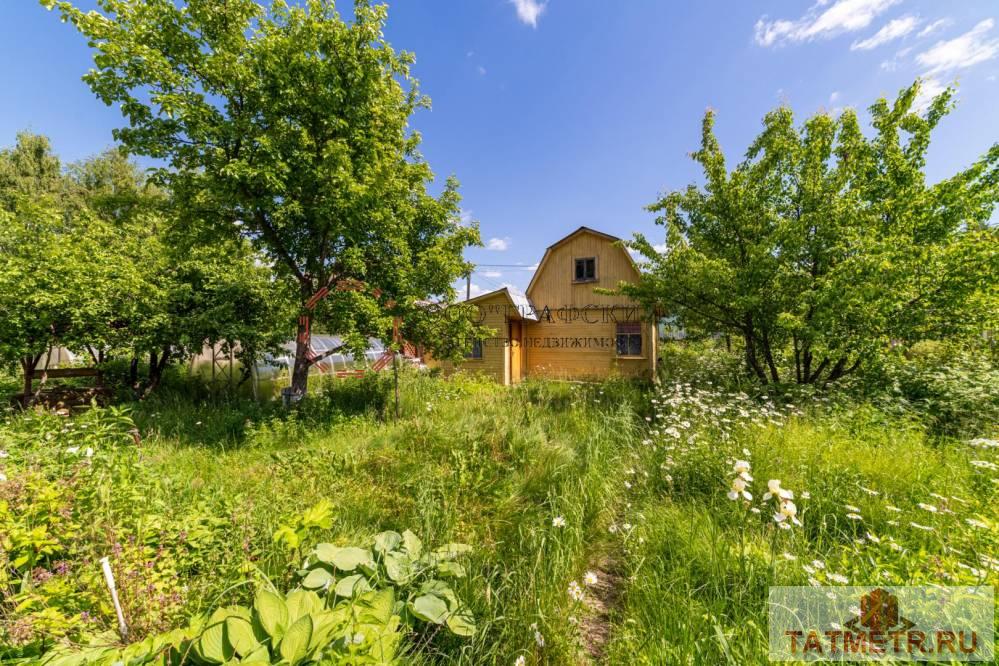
(874, 624)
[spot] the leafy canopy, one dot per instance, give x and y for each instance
(287, 126)
(824, 244)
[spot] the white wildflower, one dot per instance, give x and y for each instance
(558, 521)
(787, 513)
(774, 490)
(575, 591)
(589, 579)
(838, 578)
(927, 507)
(739, 490)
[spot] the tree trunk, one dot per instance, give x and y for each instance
(303, 348)
(797, 360)
(752, 363)
(133, 373)
(768, 355)
(157, 364)
(28, 367)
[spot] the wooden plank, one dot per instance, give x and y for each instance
(61, 373)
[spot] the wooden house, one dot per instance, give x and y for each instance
(562, 328)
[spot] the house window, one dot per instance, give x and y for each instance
(476, 351)
(586, 270)
(629, 339)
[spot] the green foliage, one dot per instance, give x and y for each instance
(293, 629)
(326, 181)
(955, 391)
(880, 502)
(824, 245)
(399, 562)
(61, 281)
(317, 517)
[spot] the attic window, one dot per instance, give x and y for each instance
(586, 270)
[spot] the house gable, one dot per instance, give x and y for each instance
(554, 284)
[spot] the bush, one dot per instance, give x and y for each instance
(955, 391)
(702, 363)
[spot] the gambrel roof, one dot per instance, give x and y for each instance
(565, 239)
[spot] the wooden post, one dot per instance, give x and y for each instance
(395, 370)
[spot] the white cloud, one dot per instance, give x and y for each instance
(491, 274)
(482, 70)
(528, 11)
(892, 30)
(933, 27)
(465, 217)
(892, 65)
(498, 244)
(834, 96)
(929, 89)
(969, 49)
(474, 290)
(821, 21)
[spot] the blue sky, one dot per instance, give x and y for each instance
(576, 112)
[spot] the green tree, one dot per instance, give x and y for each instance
(288, 126)
(825, 245)
(195, 289)
(57, 282)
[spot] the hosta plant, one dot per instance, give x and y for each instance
(293, 630)
(395, 561)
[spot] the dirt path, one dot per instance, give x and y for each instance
(601, 601)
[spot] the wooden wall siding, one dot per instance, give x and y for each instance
(591, 350)
(580, 350)
(495, 350)
(554, 286)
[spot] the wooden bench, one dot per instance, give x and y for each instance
(63, 394)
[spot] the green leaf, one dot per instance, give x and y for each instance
(348, 559)
(318, 579)
(412, 544)
(302, 602)
(387, 541)
(429, 608)
(462, 622)
(452, 550)
(451, 569)
(398, 567)
(272, 613)
(443, 590)
(239, 633)
(295, 644)
(319, 516)
(259, 656)
(352, 586)
(212, 646)
(375, 607)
